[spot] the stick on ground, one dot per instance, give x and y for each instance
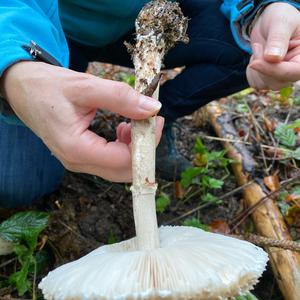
(267, 217)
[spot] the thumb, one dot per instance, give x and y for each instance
(278, 38)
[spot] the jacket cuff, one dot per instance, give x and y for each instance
(241, 13)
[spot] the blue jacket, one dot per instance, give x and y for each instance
(91, 22)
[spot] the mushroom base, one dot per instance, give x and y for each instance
(190, 264)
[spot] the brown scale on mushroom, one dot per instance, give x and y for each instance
(171, 262)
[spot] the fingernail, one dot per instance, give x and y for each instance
(274, 51)
(149, 104)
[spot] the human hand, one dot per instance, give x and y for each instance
(58, 105)
(275, 41)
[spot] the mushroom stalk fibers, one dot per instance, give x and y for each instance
(158, 27)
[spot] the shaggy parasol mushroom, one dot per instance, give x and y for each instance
(170, 262)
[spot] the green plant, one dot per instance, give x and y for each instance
(286, 93)
(23, 229)
(194, 222)
(287, 138)
(207, 163)
(285, 135)
(296, 101)
(247, 297)
(112, 239)
(162, 202)
(128, 78)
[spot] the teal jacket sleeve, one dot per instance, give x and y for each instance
(240, 13)
(22, 21)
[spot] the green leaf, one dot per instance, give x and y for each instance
(20, 279)
(243, 93)
(212, 183)
(284, 207)
(296, 191)
(162, 202)
(128, 78)
(247, 297)
(296, 101)
(199, 147)
(293, 154)
(24, 226)
(194, 222)
(242, 108)
(285, 135)
(215, 155)
(211, 198)
(286, 92)
(189, 174)
(295, 124)
(111, 238)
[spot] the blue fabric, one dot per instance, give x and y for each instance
(98, 22)
(215, 65)
(27, 168)
(22, 21)
(240, 17)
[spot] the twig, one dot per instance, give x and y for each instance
(243, 216)
(243, 142)
(238, 189)
(94, 245)
(268, 242)
(8, 262)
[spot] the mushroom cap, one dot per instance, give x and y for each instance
(190, 264)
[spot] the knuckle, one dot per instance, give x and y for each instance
(84, 84)
(124, 91)
(79, 85)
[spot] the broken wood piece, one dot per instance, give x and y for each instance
(267, 217)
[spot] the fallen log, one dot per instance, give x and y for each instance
(266, 217)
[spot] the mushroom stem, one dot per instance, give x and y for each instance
(159, 25)
(144, 186)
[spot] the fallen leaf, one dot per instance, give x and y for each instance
(272, 182)
(179, 191)
(219, 226)
(293, 215)
(269, 124)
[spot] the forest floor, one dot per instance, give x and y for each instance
(87, 212)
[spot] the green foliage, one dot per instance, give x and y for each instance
(128, 78)
(211, 183)
(112, 239)
(294, 154)
(295, 124)
(189, 176)
(202, 175)
(242, 94)
(194, 222)
(285, 135)
(286, 93)
(208, 197)
(247, 297)
(296, 191)
(23, 229)
(162, 202)
(296, 101)
(242, 108)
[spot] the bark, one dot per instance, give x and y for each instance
(267, 217)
